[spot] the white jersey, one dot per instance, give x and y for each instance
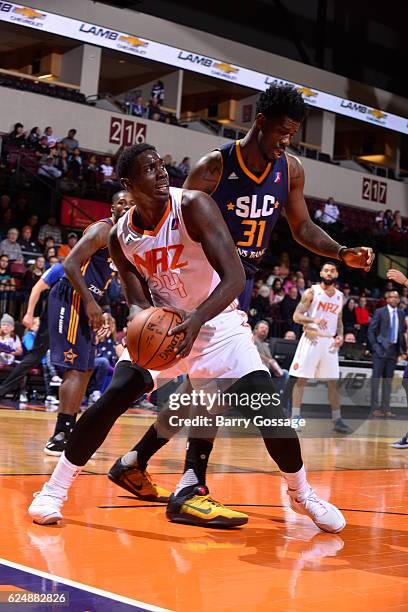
(326, 307)
(174, 266)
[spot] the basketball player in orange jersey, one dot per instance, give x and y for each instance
(75, 313)
(173, 249)
(252, 181)
(317, 354)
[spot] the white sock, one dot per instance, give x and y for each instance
(64, 475)
(336, 414)
(295, 412)
(130, 459)
(297, 481)
(188, 479)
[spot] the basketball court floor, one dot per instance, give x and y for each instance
(113, 552)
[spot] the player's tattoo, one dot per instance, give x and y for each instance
(299, 316)
(212, 170)
(316, 239)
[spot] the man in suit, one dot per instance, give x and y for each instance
(387, 340)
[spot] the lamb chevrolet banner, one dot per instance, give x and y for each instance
(189, 60)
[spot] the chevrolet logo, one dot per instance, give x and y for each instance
(133, 41)
(29, 13)
(306, 92)
(377, 113)
(227, 68)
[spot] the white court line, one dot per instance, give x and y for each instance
(85, 587)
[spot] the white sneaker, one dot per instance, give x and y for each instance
(45, 509)
(326, 516)
(23, 398)
(51, 399)
(95, 395)
(56, 381)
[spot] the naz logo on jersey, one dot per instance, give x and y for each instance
(167, 258)
(328, 307)
(248, 207)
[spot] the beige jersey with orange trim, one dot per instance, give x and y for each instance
(175, 267)
(327, 307)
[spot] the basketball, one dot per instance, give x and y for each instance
(147, 340)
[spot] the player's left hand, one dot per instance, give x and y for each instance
(338, 342)
(394, 275)
(190, 327)
(358, 257)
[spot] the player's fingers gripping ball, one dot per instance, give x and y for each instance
(147, 340)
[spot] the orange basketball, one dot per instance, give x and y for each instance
(147, 340)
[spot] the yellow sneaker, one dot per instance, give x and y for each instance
(198, 508)
(138, 482)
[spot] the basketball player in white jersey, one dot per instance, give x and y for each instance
(174, 249)
(317, 354)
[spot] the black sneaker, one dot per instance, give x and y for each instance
(198, 508)
(56, 444)
(403, 443)
(138, 482)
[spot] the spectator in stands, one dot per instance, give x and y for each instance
(4, 202)
(52, 260)
(10, 343)
(154, 109)
(289, 282)
(27, 243)
(64, 249)
(75, 164)
(50, 229)
(349, 315)
(139, 109)
(331, 213)
(304, 267)
(397, 224)
(33, 138)
(272, 277)
(157, 92)
(70, 142)
(350, 337)
(7, 283)
(7, 221)
(17, 136)
(185, 166)
(90, 171)
(363, 319)
(48, 171)
(49, 252)
(277, 293)
(318, 214)
(260, 335)
(284, 264)
(300, 285)
(62, 162)
(49, 134)
(21, 207)
(346, 293)
(105, 360)
(289, 335)
(33, 222)
(11, 247)
(34, 273)
(42, 150)
(260, 305)
(108, 170)
(380, 231)
(287, 308)
(388, 219)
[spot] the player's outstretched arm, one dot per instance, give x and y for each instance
(310, 235)
(397, 277)
(135, 288)
(206, 225)
(206, 173)
(95, 238)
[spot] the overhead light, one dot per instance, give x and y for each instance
(121, 61)
(46, 76)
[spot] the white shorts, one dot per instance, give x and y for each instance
(224, 349)
(315, 360)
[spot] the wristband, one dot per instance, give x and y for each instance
(340, 251)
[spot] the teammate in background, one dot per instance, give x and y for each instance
(401, 279)
(75, 315)
(251, 181)
(173, 248)
(317, 354)
(41, 343)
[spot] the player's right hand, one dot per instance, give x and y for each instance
(95, 315)
(397, 276)
(190, 327)
(28, 321)
(321, 323)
